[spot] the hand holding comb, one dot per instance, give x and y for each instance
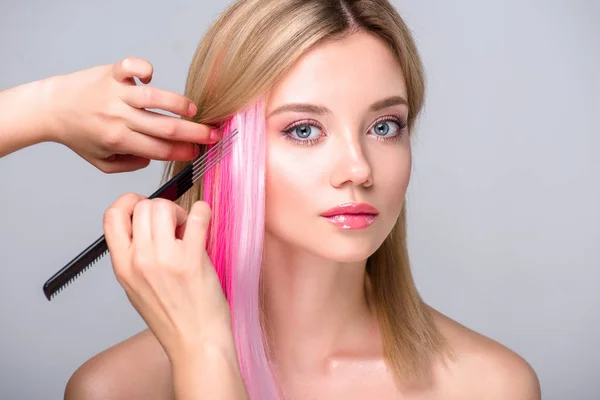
(172, 190)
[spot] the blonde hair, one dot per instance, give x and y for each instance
(243, 54)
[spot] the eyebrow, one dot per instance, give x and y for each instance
(321, 110)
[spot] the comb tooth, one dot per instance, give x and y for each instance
(74, 277)
(65, 284)
(215, 150)
(202, 170)
(93, 262)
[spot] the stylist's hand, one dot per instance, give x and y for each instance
(159, 257)
(101, 115)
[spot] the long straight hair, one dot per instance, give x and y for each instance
(235, 191)
(249, 47)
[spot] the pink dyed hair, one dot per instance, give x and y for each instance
(235, 190)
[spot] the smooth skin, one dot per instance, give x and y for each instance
(102, 115)
(327, 342)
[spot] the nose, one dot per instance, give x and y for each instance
(351, 165)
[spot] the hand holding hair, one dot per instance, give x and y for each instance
(101, 114)
(159, 257)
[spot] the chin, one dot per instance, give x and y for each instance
(347, 249)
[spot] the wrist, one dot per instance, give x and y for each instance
(49, 110)
(35, 114)
(221, 346)
(28, 117)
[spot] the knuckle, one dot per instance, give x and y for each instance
(131, 196)
(169, 128)
(162, 152)
(201, 211)
(143, 204)
(110, 216)
(162, 205)
(147, 65)
(168, 151)
(140, 262)
(127, 63)
(149, 95)
(114, 109)
(113, 138)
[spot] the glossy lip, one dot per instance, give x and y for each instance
(350, 209)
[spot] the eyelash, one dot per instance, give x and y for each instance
(401, 122)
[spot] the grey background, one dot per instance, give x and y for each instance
(504, 216)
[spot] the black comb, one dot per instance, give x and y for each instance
(172, 190)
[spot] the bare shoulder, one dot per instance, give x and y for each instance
(136, 368)
(484, 368)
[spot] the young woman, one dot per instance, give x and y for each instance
(285, 274)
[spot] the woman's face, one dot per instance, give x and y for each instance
(336, 135)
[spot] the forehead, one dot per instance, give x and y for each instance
(358, 69)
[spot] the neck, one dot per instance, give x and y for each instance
(315, 309)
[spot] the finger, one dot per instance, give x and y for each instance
(121, 163)
(154, 148)
(196, 225)
(166, 218)
(160, 99)
(126, 69)
(117, 224)
(141, 225)
(167, 127)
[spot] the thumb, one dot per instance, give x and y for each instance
(194, 238)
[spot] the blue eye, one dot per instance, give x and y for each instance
(304, 131)
(387, 128)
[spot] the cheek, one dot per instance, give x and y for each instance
(393, 181)
(287, 189)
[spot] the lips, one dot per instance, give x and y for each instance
(351, 215)
(351, 209)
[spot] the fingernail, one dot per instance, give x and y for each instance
(215, 136)
(192, 110)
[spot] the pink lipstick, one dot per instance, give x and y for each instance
(351, 215)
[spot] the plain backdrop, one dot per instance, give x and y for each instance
(503, 204)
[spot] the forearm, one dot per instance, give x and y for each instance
(210, 372)
(25, 116)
